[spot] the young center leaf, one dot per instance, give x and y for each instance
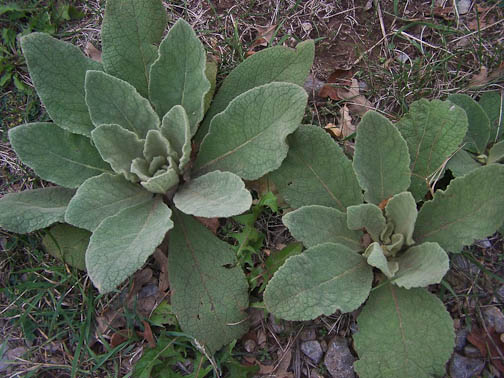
(114, 101)
(321, 280)
(209, 290)
(376, 257)
(68, 244)
(56, 155)
(381, 159)
(119, 147)
(121, 243)
(33, 209)
(175, 127)
(478, 127)
(178, 77)
(470, 208)
(216, 194)
(313, 225)
(278, 63)
(316, 172)
(368, 216)
(101, 197)
(403, 333)
(130, 31)
(249, 137)
(58, 70)
(421, 266)
(433, 131)
(401, 211)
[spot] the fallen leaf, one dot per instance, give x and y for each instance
(480, 78)
(147, 334)
(337, 78)
(93, 52)
(489, 344)
(264, 36)
(285, 360)
(334, 130)
(210, 223)
(497, 73)
(119, 337)
(162, 262)
(347, 128)
(446, 13)
(110, 319)
(357, 102)
(368, 5)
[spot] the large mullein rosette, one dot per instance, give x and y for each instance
(120, 151)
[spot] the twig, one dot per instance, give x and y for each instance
(476, 31)
(382, 25)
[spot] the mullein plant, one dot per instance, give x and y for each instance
(120, 151)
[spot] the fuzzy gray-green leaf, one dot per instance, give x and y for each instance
(68, 244)
(274, 64)
(433, 131)
(56, 155)
(401, 211)
(421, 266)
(462, 163)
(119, 147)
(114, 101)
(178, 77)
(403, 333)
(161, 182)
(209, 289)
(496, 153)
(381, 159)
(470, 208)
(316, 172)
(249, 137)
(493, 105)
(316, 224)
(33, 209)
(130, 31)
(101, 197)
(320, 281)
(58, 70)
(216, 194)
(478, 130)
(175, 127)
(122, 243)
(376, 257)
(368, 216)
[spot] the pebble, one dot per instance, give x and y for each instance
(250, 345)
(494, 318)
(312, 350)
(338, 359)
(465, 367)
(461, 339)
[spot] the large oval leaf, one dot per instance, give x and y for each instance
(33, 209)
(129, 32)
(58, 70)
(121, 243)
(56, 155)
(68, 244)
(433, 131)
(381, 159)
(471, 208)
(316, 224)
(178, 77)
(274, 64)
(403, 333)
(209, 289)
(493, 105)
(114, 101)
(316, 172)
(320, 281)
(216, 194)
(249, 137)
(101, 197)
(478, 127)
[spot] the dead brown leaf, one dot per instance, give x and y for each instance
(329, 91)
(337, 77)
(264, 36)
(334, 130)
(93, 52)
(147, 334)
(285, 360)
(119, 337)
(357, 103)
(480, 78)
(162, 262)
(210, 223)
(447, 13)
(489, 344)
(110, 319)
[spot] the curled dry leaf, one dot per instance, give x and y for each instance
(357, 103)
(338, 77)
(264, 36)
(345, 127)
(484, 77)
